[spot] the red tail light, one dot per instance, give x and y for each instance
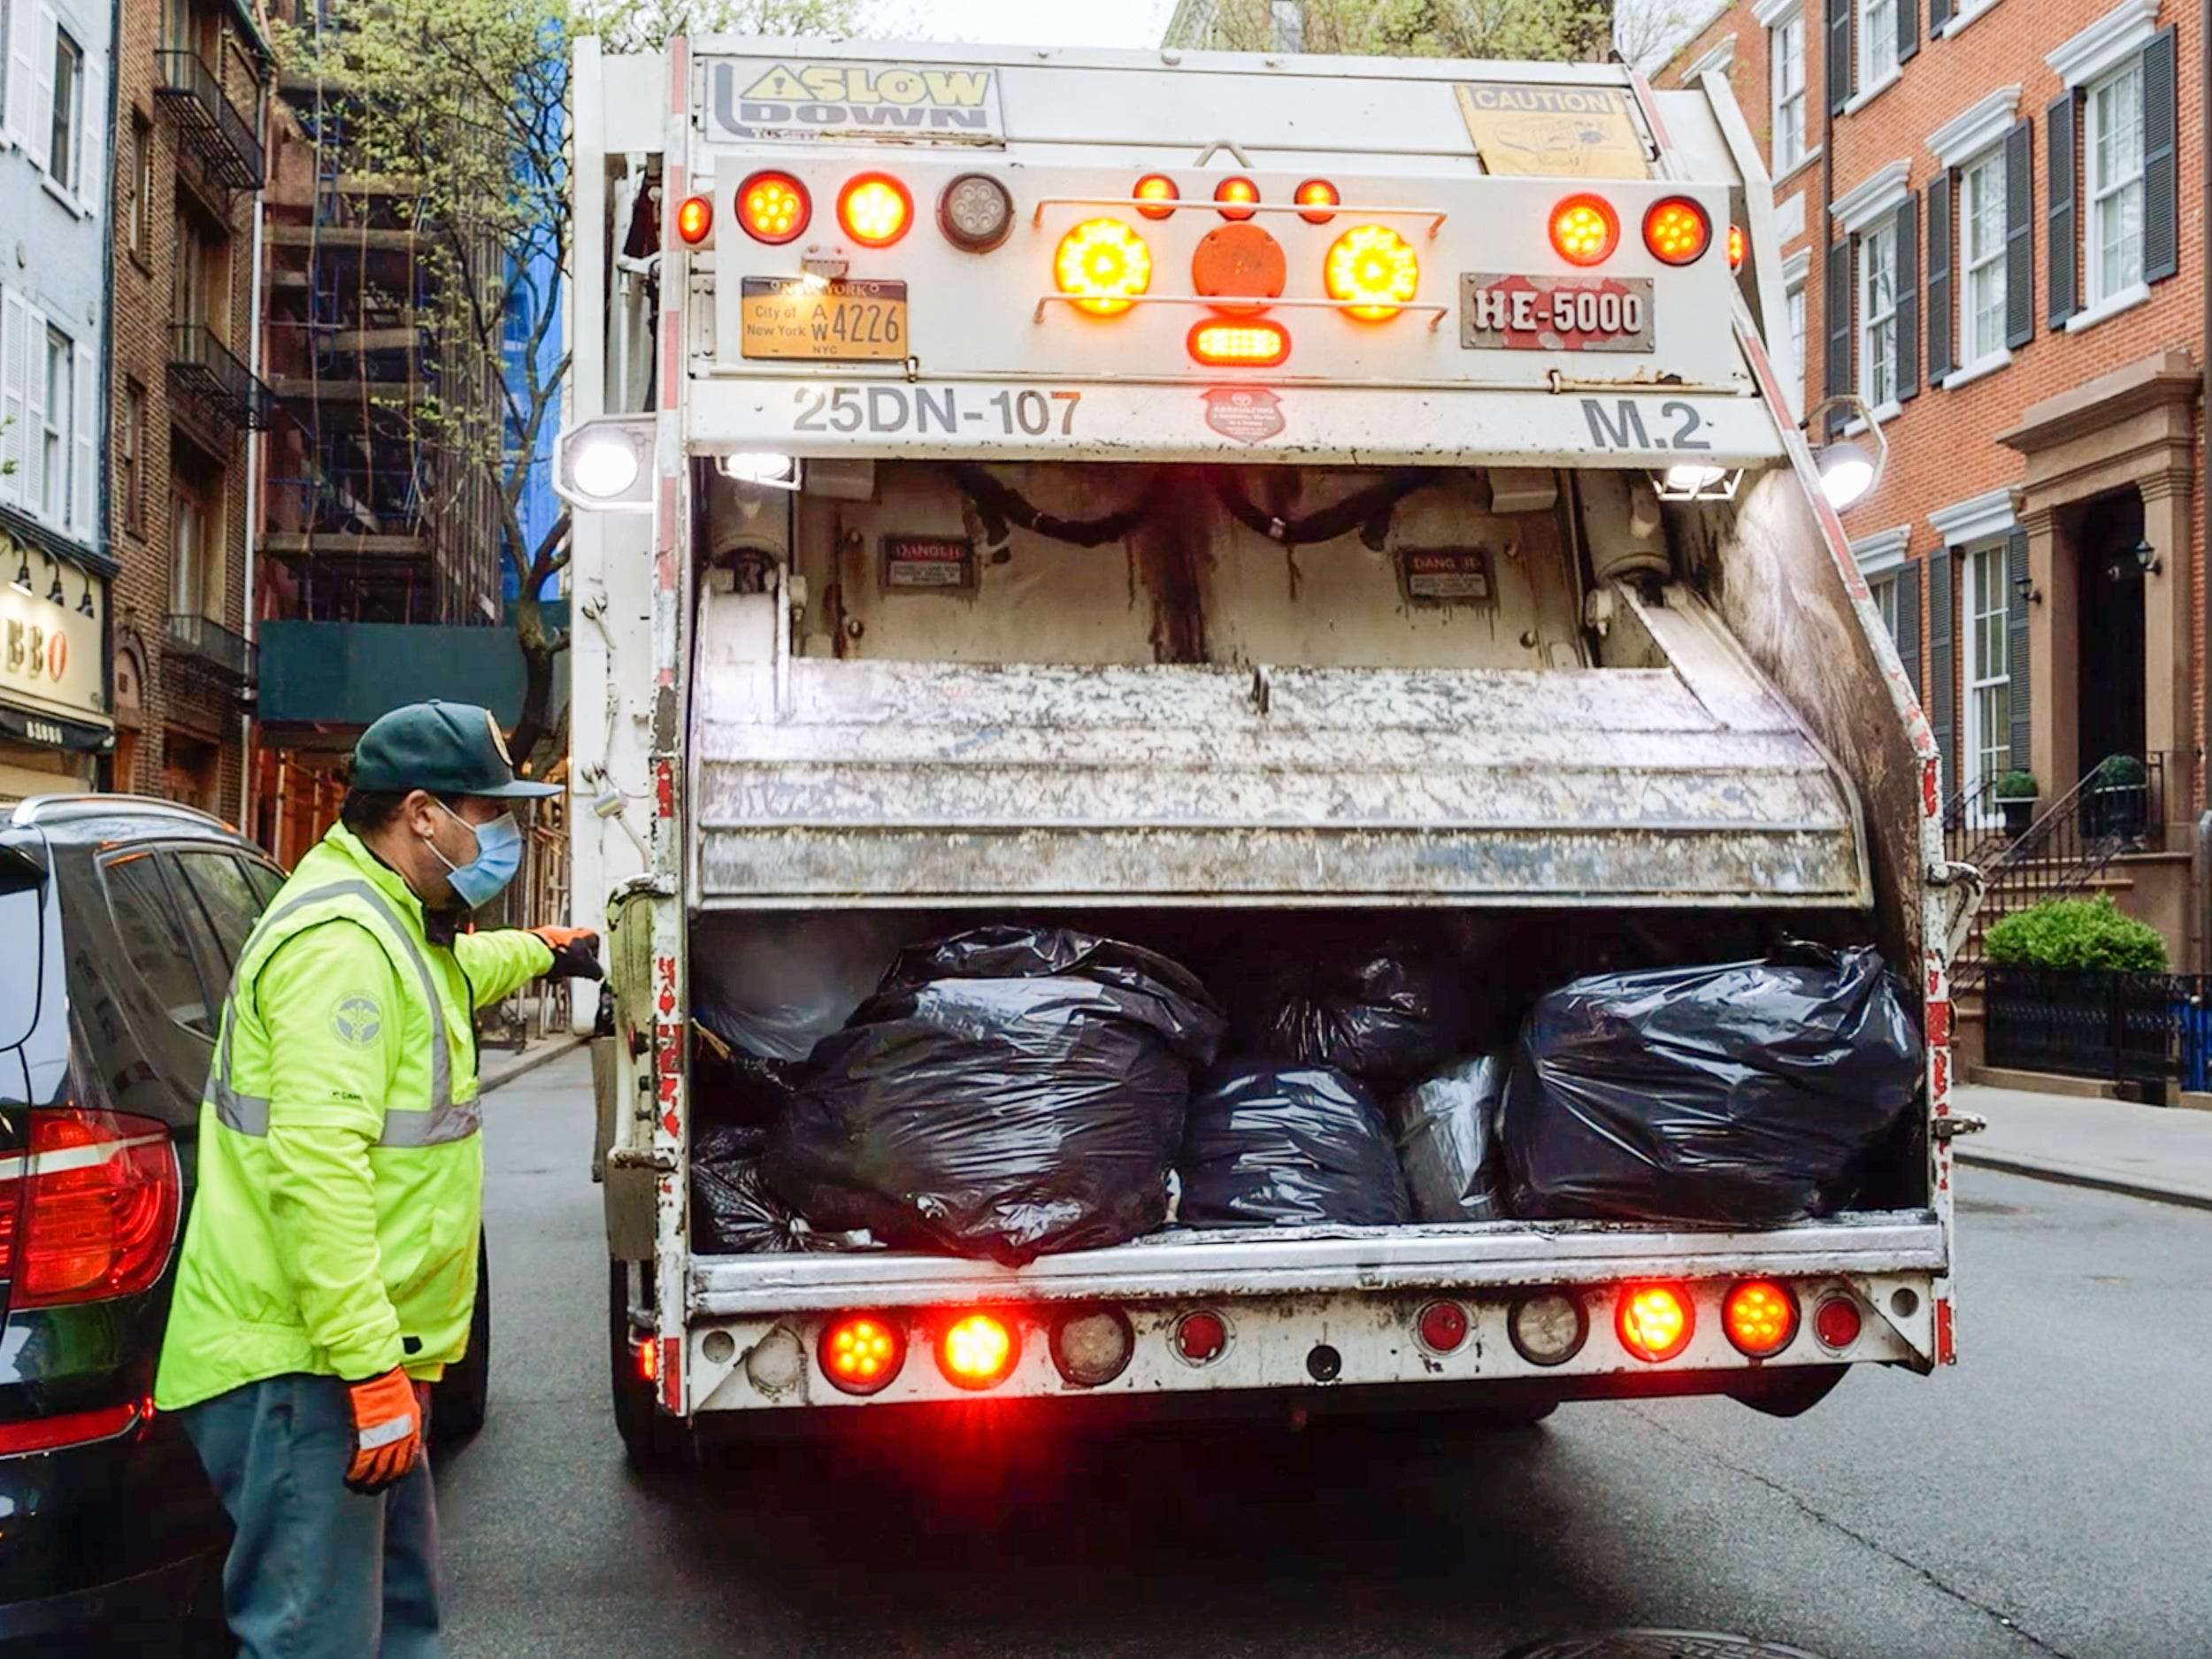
(1761, 1317)
(1316, 193)
(94, 1208)
(861, 1354)
(1655, 1321)
(72, 1428)
(1584, 229)
(1677, 230)
(875, 210)
(773, 207)
(978, 1351)
(1236, 194)
(693, 219)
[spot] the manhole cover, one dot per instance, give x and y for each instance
(1657, 1644)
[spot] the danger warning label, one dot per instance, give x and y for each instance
(748, 101)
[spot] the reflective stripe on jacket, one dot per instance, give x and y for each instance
(340, 1172)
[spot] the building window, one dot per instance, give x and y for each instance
(1786, 49)
(61, 154)
(1878, 315)
(1286, 26)
(1982, 254)
(134, 462)
(1878, 43)
(1885, 593)
(61, 382)
(190, 592)
(1799, 366)
(1988, 665)
(2114, 148)
(142, 184)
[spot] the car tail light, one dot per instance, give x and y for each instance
(1253, 345)
(1093, 1346)
(1585, 230)
(978, 1350)
(1761, 1317)
(1375, 267)
(1157, 187)
(975, 212)
(1836, 1321)
(773, 208)
(1237, 195)
(1200, 1338)
(1316, 192)
(875, 209)
(1443, 1326)
(1677, 230)
(1548, 1328)
(1655, 1321)
(862, 1353)
(1106, 262)
(693, 219)
(1738, 246)
(73, 1428)
(96, 1202)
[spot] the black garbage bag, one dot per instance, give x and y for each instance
(732, 1213)
(1446, 1130)
(1385, 1014)
(1746, 1094)
(1289, 1146)
(733, 1088)
(1008, 1092)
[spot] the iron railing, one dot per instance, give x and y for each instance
(2140, 1031)
(218, 133)
(229, 653)
(204, 366)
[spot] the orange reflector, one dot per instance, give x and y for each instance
(1316, 192)
(976, 1351)
(1375, 267)
(1106, 262)
(1655, 1321)
(1585, 230)
(1238, 262)
(1761, 1317)
(1253, 345)
(1738, 246)
(875, 210)
(1235, 190)
(773, 207)
(1837, 1322)
(1677, 230)
(861, 1353)
(693, 219)
(1157, 187)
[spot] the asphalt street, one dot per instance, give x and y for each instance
(2051, 1495)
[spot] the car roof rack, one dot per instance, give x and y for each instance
(56, 809)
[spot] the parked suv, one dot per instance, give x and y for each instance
(120, 919)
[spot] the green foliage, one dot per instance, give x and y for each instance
(1554, 29)
(2075, 933)
(2117, 771)
(2017, 785)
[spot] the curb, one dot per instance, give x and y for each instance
(546, 1056)
(2187, 1197)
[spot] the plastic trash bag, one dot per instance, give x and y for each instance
(1290, 1146)
(1385, 1015)
(732, 1213)
(1746, 1094)
(1009, 1091)
(775, 986)
(1446, 1130)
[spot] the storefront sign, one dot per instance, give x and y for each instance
(50, 662)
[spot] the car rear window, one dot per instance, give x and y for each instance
(218, 881)
(153, 937)
(22, 937)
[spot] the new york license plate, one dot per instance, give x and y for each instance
(1503, 311)
(823, 319)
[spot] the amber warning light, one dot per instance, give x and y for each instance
(1253, 345)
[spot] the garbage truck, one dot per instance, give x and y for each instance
(1201, 496)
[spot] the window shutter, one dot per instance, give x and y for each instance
(1939, 14)
(14, 322)
(84, 491)
(22, 72)
(1907, 30)
(1835, 307)
(2019, 236)
(1838, 54)
(1909, 621)
(38, 142)
(33, 472)
(1939, 308)
(1908, 331)
(2161, 222)
(2060, 165)
(1941, 718)
(2017, 643)
(92, 181)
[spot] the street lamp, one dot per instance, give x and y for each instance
(1848, 470)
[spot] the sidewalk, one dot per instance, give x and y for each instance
(504, 1065)
(2147, 1151)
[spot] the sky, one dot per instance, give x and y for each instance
(1034, 22)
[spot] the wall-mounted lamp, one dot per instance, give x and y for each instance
(2143, 556)
(2025, 586)
(54, 593)
(84, 600)
(23, 571)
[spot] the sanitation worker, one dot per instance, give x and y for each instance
(329, 1269)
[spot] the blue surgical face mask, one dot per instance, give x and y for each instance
(498, 856)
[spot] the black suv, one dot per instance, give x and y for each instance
(120, 919)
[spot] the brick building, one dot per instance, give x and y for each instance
(1993, 220)
(192, 79)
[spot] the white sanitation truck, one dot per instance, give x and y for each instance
(1186, 494)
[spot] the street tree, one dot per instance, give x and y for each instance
(1555, 29)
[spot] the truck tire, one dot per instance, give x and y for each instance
(654, 1442)
(460, 1400)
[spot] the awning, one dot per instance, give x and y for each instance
(53, 731)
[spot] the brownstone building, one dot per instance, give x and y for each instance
(192, 80)
(1992, 215)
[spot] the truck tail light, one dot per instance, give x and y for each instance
(1106, 263)
(1548, 1328)
(693, 219)
(1092, 1347)
(1677, 231)
(1738, 246)
(1836, 1321)
(1585, 230)
(1374, 266)
(1655, 1321)
(1157, 187)
(773, 208)
(1243, 345)
(975, 212)
(978, 1350)
(1236, 194)
(1316, 193)
(1443, 1326)
(1761, 1317)
(94, 1203)
(875, 209)
(1201, 1337)
(862, 1353)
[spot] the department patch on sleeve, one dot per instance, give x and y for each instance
(357, 1020)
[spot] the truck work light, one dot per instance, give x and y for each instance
(605, 466)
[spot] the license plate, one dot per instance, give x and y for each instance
(823, 319)
(1504, 311)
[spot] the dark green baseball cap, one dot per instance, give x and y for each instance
(450, 749)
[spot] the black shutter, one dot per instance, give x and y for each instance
(1941, 718)
(1939, 307)
(2017, 643)
(1939, 14)
(1909, 621)
(2059, 164)
(1909, 299)
(2019, 237)
(1907, 30)
(1835, 309)
(2162, 223)
(1838, 54)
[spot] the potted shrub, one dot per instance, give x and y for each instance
(2079, 1007)
(2015, 794)
(2118, 799)
(2089, 933)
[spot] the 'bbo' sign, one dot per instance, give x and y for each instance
(750, 101)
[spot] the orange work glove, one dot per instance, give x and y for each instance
(575, 953)
(387, 1430)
